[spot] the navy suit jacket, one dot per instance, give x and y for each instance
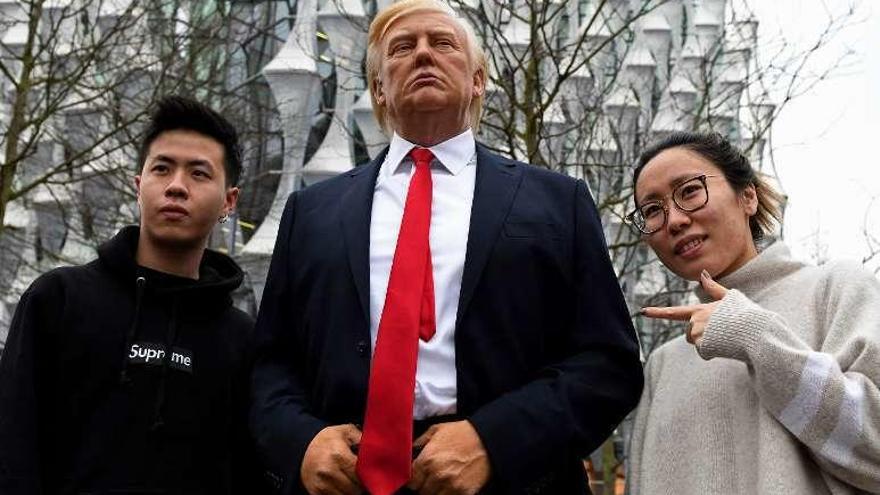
(546, 356)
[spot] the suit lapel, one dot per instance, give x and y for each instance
(496, 183)
(357, 206)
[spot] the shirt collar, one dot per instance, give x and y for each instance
(454, 154)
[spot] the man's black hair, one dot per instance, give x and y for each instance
(179, 113)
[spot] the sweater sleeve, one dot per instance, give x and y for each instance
(637, 439)
(827, 397)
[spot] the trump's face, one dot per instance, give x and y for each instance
(426, 70)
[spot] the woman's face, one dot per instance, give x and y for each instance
(716, 237)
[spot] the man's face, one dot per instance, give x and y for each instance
(426, 68)
(182, 189)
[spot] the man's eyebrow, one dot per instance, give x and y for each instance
(198, 161)
(442, 30)
(190, 163)
(400, 35)
(164, 158)
(433, 32)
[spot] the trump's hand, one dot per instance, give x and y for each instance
(697, 315)
(452, 461)
(328, 466)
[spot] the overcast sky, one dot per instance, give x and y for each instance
(826, 143)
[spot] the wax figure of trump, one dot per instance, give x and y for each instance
(441, 320)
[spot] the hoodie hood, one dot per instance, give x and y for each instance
(218, 274)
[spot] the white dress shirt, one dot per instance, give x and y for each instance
(453, 173)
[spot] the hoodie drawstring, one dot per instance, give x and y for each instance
(170, 338)
(140, 282)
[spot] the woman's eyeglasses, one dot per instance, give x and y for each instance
(689, 196)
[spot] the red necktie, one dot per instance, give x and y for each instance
(385, 452)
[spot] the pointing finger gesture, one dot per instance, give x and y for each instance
(697, 315)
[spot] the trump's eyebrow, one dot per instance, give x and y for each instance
(433, 32)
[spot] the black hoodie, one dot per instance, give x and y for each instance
(120, 379)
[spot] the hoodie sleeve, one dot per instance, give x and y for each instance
(245, 473)
(280, 417)
(20, 386)
(829, 398)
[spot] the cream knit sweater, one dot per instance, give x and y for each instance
(785, 399)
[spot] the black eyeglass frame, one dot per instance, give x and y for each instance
(631, 217)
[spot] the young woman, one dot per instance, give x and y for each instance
(774, 387)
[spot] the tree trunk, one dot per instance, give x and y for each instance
(18, 113)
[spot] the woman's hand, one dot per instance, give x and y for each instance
(697, 315)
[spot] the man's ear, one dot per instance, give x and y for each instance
(479, 82)
(378, 92)
(137, 186)
(749, 199)
(231, 200)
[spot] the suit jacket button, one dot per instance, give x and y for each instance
(362, 348)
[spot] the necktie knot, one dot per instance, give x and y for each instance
(422, 157)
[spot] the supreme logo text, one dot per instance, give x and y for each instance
(153, 354)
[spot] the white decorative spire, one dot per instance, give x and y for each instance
(344, 23)
(295, 83)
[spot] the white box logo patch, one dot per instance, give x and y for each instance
(152, 354)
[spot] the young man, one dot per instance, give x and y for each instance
(127, 374)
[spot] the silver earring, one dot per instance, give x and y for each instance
(224, 218)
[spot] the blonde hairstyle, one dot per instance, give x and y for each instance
(379, 28)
